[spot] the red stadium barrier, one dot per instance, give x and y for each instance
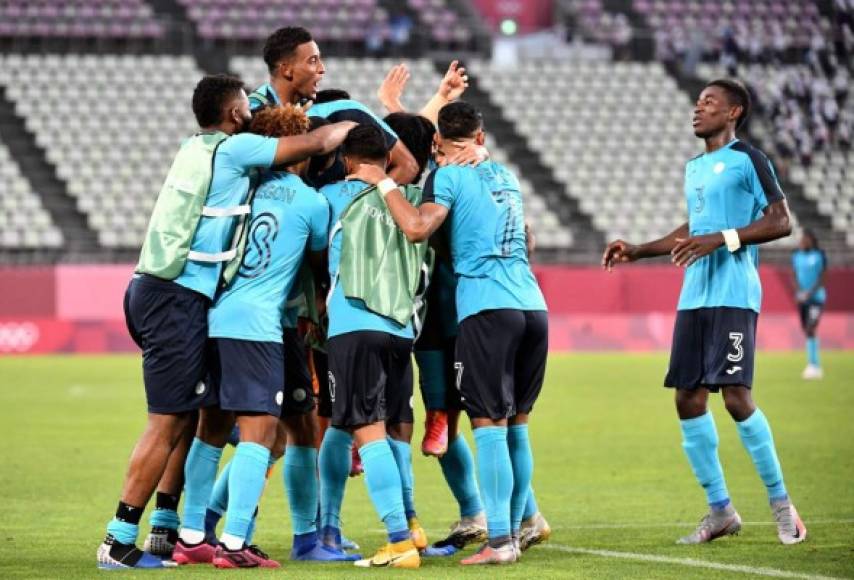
(78, 309)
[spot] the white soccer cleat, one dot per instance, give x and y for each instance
(535, 530)
(812, 373)
(714, 525)
(790, 527)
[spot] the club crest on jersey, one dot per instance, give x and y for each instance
(719, 167)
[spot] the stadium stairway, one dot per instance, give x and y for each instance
(32, 159)
(588, 240)
(210, 57)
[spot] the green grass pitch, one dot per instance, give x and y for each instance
(610, 475)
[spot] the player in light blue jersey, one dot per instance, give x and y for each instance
(501, 311)
(288, 218)
(168, 318)
(296, 70)
(734, 203)
(809, 267)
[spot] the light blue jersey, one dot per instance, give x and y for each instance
(348, 314)
(488, 242)
(809, 266)
(234, 160)
(727, 188)
(288, 217)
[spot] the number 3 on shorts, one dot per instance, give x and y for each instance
(736, 338)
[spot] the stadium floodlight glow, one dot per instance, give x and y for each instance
(509, 27)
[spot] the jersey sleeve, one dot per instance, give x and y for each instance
(249, 150)
(440, 187)
(762, 179)
(319, 224)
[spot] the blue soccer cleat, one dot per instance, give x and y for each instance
(348, 544)
(439, 552)
(113, 555)
(322, 553)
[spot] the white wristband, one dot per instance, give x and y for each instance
(386, 185)
(731, 239)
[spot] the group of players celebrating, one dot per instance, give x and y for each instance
(291, 268)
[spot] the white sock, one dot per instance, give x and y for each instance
(192, 536)
(232, 542)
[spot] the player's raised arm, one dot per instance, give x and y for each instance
(323, 140)
(452, 87)
(416, 223)
(392, 88)
(621, 251)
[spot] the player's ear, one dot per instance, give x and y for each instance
(285, 70)
(480, 138)
(387, 159)
(735, 112)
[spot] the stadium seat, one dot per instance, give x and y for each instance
(24, 223)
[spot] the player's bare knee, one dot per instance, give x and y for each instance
(738, 402)
(214, 426)
(400, 431)
(691, 403)
(300, 429)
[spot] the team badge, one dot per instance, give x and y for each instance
(719, 167)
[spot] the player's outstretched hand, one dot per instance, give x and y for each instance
(391, 90)
(454, 83)
(368, 173)
(617, 252)
(689, 250)
(467, 154)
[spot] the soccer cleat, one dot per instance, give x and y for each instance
(535, 530)
(435, 442)
(469, 530)
(246, 557)
(790, 528)
(348, 544)
(202, 553)
(161, 542)
(417, 533)
(398, 555)
(331, 536)
(504, 554)
(715, 524)
(812, 373)
(323, 553)
(356, 467)
(114, 555)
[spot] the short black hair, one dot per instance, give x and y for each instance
(416, 132)
(737, 94)
(211, 95)
(365, 142)
(459, 120)
(329, 95)
(318, 162)
(282, 44)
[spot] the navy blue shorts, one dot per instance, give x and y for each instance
(170, 325)
(712, 348)
(810, 315)
(248, 375)
(299, 395)
(501, 362)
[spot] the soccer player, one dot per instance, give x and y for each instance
(809, 264)
(734, 202)
(501, 311)
(370, 375)
(296, 69)
(188, 241)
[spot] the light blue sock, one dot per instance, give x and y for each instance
(253, 525)
(245, 485)
(531, 507)
(523, 470)
(431, 377)
(123, 532)
(402, 452)
(219, 495)
(755, 433)
(812, 350)
(300, 479)
(383, 481)
(334, 466)
(199, 476)
(700, 442)
(458, 467)
(161, 518)
(495, 474)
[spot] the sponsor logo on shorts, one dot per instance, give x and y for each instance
(200, 388)
(299, 395)
(331, 382)
(280, 396)
(733, 370)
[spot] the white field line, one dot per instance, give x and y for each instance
(690, 562)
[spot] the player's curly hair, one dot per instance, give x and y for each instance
(737, 94)
(211, 95)
(279, 121)
(282, 44)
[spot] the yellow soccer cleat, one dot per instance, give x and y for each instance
(418, 535)
(398, 555)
